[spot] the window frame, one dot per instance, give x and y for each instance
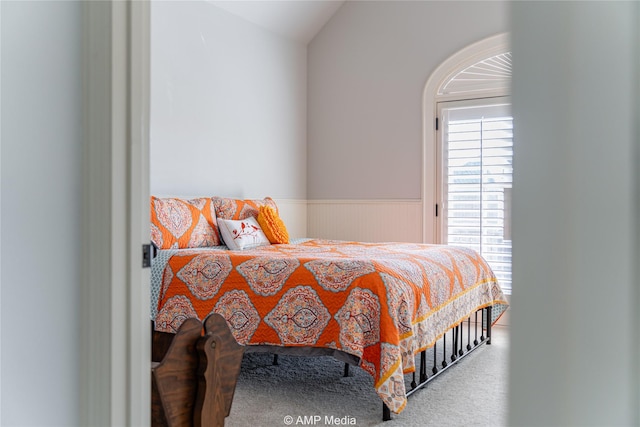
(432, 94)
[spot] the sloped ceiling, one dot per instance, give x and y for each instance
(299, 20)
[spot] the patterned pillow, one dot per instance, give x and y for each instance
(242, 234)
(227, 208)
(181, 223)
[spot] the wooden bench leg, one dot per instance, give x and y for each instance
(173, 380)
(220, 361)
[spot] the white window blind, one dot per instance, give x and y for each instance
(478, 169)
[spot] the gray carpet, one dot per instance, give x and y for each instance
(473, 393)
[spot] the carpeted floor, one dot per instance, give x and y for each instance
(309, 391)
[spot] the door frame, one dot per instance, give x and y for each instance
(115, 344)
(431, 95)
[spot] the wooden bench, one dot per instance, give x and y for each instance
(194, 374)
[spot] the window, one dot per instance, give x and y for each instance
(469, 155)
(476, 179)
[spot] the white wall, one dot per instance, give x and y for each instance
(367, 71)
(228, 106)
(40, 230)
(229, 102)
(576, 215)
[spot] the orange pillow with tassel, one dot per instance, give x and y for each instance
(272, 225)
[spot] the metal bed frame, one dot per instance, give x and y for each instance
(458, 351)
(455, 352)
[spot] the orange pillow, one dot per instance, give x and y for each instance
(182, 223)
(272, 226)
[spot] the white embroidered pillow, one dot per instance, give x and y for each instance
(242, 234)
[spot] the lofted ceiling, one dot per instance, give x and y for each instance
(298, 20)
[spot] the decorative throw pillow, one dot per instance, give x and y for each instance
(272, 225)
(242, 234)
(181, 223)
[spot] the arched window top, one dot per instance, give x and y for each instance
(479, 70)
(490, 74)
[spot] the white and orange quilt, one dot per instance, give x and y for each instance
(381, 302)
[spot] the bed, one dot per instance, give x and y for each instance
(373, 305)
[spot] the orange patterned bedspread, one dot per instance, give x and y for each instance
(380, 302)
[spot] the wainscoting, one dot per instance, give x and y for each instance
(365, 220)
(294, 215)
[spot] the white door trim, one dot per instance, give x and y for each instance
(115, 341)
(0, 223)
(471, 54)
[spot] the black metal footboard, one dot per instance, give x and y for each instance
(451, 354)
(463, 339)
